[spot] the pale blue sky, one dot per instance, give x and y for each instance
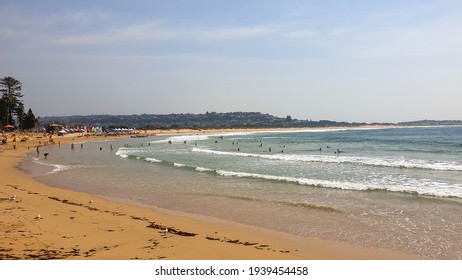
(338, 60)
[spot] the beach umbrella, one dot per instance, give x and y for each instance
(9, 126)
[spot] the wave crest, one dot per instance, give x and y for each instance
(394, 162)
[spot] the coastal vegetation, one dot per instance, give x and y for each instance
(431, 123)
(194, 121)
(12, 112)
(210, 120)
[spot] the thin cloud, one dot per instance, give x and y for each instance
(86, 18)
(151, 31)
(238, 33)
(158, 31)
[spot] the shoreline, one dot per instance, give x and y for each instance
(74, 225)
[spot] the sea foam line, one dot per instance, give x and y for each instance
(58, 167)
(153, 160)
(394, 162)
(425, 188)
(437, 190)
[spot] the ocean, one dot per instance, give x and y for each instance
(391, 188)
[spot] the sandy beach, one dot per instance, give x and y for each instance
(41, 222)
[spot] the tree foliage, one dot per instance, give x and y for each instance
(194, 121)
(29, 121)
(11, 100)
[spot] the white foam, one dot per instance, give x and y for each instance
(125, 153)
(432, 188)
(153, 160)
(396, 162)
(182, 138)
(57, 167)
(203, 169)
(60, 167)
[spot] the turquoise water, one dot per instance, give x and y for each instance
(395, 188)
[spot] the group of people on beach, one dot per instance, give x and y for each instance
(5, 140)
(37, 149)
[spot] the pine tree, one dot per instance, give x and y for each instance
(11, 102)
(29, 120)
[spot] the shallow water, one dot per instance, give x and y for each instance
(398, 189)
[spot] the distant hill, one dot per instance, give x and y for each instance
(215, 120)
(430, 123)
(192, 121)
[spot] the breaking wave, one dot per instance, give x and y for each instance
(395, 162)
(58, 167)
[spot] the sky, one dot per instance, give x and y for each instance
(356, 61)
